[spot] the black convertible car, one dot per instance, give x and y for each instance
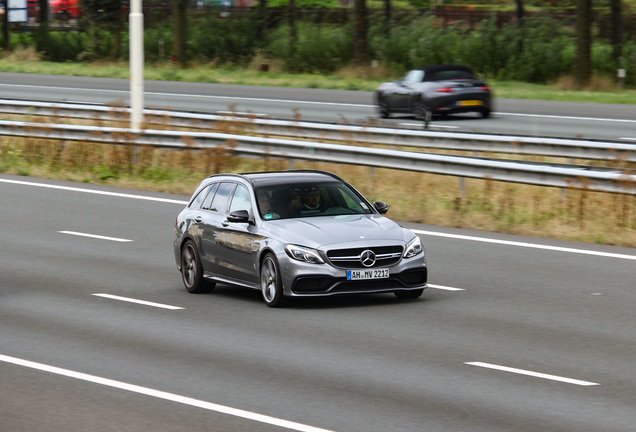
(439, 89)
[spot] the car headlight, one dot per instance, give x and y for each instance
(304, 254)
(414, 247)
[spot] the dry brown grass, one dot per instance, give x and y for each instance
(22, 54)
(375, 71)
(597, 83)
(570, 214)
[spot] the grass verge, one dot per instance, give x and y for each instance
(601, 90)
(569, 214)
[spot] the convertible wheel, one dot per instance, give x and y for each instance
(422, 111)
(383, 110)
(191, 270)
(271, 283)
(412, 294)
(485, 113)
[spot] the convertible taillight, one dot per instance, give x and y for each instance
(445, 90)
(484, 88)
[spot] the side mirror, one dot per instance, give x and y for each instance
(381, 207)
(239, 216)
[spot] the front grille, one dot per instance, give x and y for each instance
(350, 258)
(323, 286)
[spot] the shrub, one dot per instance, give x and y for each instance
(536, 52)
(223, 40)
(319, 48)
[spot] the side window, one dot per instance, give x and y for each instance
(240, 199)
(196, 202)
(221, 198)
(208, 199)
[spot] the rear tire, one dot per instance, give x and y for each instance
(421, 110)
(192, 271)
(411, 294)
(485, 113)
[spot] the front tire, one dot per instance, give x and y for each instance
(271, 283)
(383, 108)
(192, 271)
(411, 294)
(422, 111)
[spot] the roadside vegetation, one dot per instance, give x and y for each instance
(533, 61)
(541, 51)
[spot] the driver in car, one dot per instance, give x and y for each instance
(311, 200)
(308, 202)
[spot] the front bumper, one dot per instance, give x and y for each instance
(314, 280)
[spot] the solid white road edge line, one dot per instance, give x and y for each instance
(94, 236)
(432, 126)
(93, 191)
(533, 374)
(446, 288)
(163, 395)
(189, 96)
(566, 117)
(141, 302)
(527, 245)
(185, 95)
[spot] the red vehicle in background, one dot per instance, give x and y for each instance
(65, 10)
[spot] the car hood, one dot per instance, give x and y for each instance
(328, 230)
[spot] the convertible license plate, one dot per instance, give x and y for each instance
(469, 102)
(367, 274)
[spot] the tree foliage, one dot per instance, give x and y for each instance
(102, 12)
(305, 4)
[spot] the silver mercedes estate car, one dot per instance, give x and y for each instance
(297, 233)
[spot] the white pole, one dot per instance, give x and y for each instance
(136, 21)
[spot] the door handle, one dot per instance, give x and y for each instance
(198, 219)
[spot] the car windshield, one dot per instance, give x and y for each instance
(413, 77)
(309, 200)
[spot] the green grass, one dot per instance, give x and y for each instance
(342, 80)
(517, 90)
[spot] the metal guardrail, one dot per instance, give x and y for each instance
(589, 178)
(475, 143)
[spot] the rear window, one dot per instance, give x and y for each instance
(451, 75)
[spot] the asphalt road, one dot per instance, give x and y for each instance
(73, 358)
(511, 116)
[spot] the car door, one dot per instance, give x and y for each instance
(198, 218)
(409, 89)
(210, 219)
(238, 242)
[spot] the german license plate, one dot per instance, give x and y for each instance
(469, 102)
(367, 274)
